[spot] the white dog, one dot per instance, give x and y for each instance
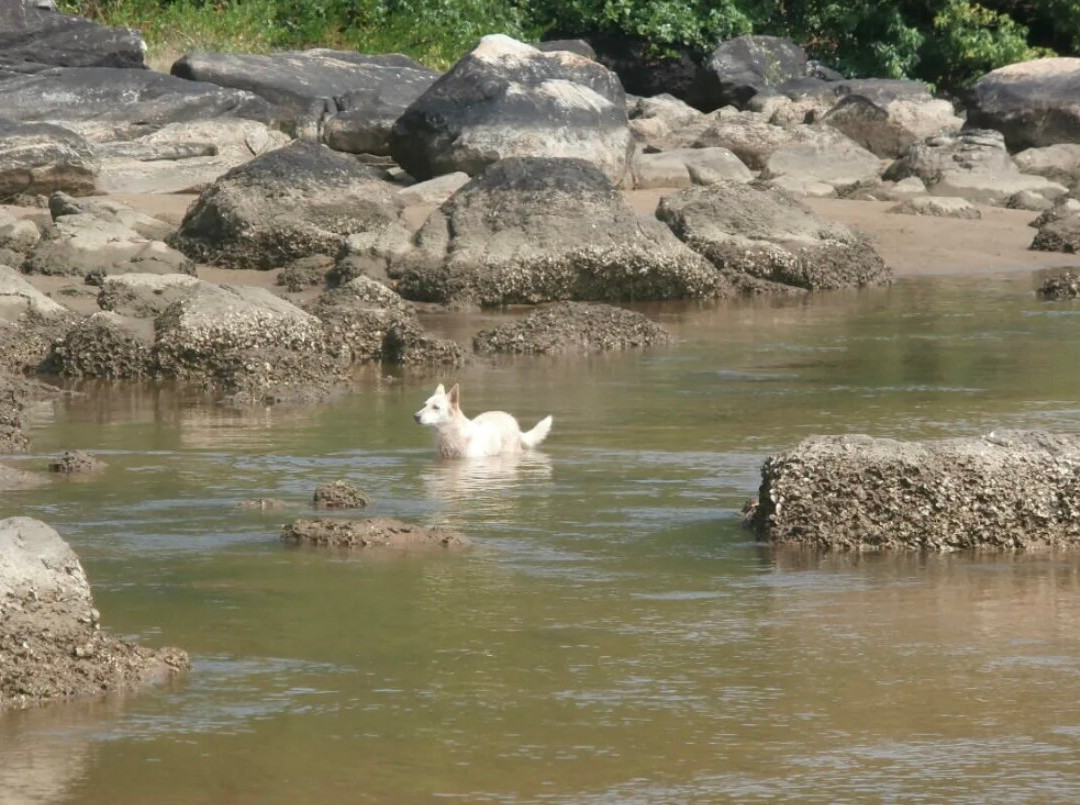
(491, 433)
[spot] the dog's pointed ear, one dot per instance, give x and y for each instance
(455, 396)
(440, 390)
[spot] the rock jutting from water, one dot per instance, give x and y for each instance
(572, 328)
(378, 532)
(1006, 490)
(340, 495)
(1065, 285)
(51, 643)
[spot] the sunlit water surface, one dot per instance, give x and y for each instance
(613, 635)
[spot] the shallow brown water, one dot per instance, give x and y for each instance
(613, 635)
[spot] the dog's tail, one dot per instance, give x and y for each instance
(537, 434)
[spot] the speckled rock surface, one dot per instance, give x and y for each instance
(105, 346)
(1009, 490)
(363, 320)
(74, 462)
(340, 495)
(143, 296)
(246, 341)
(1061, 286)
(572, 327)
(763, 239)
(292, 202)
(52, 646)
(537, 230)
(378, 532)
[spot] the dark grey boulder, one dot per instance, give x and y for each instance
(293, 202)
(539, 229)
(506, 99)
(366, 116)
(38, 158)
(763, 239)
(1032, 103)
(747, 65)
(105, 103)
(32, 31)
(643, 71)
(354, 97)
(572, 328)
(1009, 490)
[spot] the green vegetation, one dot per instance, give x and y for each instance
(946, 42)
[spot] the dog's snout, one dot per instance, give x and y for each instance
(416, 417)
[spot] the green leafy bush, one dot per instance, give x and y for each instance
(946, 42)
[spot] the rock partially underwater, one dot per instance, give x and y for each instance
(1006, 490)
(51, 643)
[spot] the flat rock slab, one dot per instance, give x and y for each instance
(1005, 490)
(378, 532)
(572, 327)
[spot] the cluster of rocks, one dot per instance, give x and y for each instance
(1011, 490)
(52, 646)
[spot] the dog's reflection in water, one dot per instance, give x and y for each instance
(486, 484)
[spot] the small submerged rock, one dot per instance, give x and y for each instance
(572, 327)
(73, 462)
(12, 478)
(376, 532)
(340, 495)
(1061, 286)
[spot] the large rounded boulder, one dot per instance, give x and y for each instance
(1033, 103)
(505, 99)
(289, 203)
(532, 230)
(765, 240)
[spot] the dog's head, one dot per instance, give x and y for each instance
(440, 407)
